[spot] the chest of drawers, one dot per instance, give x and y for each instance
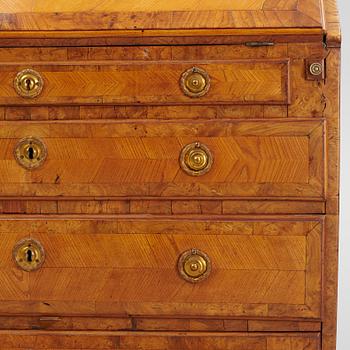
(169, 174)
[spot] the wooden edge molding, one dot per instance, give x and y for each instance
(112, 333)
(177, 206)
(157, 37)
(332, 23)
(156, 33)
(99, 323)
(145, 217)
(116, 40)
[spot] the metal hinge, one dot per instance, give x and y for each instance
(259, 43)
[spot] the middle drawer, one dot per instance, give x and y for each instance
(163, 158)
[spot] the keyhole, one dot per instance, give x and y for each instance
(28, 83)
(29, 256)
(30, 153)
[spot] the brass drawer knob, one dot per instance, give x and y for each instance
(194, 265)
(316, 68)
(29, 254)
(195, 82)
(30, 152)
(196, 159)
(28, 83)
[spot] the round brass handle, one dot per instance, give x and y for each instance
(316, 68)
(196, 159)
(30, 152)
(29, 254)
(194, 265)
(195, 82)
(28, 83)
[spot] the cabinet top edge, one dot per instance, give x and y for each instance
(80, 15)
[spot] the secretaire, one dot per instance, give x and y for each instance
(169, 174)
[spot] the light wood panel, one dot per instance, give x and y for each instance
(135, 5)
(269, 159)
(270, 273)
(86, 323)
(131, 265)
(307, 98)
(159, 341)
(36, 39)
(158, 206)
(332, 23)
(106, 15)
(332, 112)
(264, 81)
(41, 6)
(283, 326)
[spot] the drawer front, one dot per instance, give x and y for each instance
(257, 267)
(234, 81)
(243, 159)
(158, 341)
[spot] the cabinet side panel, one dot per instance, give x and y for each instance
(331, 236)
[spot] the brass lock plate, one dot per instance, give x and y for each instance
(195, 82)
(28, 83)
(196, 159)
(194, 265)
(30, 152)
(29, 254)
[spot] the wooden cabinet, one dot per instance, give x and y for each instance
(169, 174)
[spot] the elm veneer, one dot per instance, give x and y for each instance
(114, 209)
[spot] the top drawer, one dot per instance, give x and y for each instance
(263, 81)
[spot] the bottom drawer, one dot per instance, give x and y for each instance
(162, 341)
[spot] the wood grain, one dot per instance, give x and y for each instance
(332, 23)
(65, 323)
(39, 6)
(283, 326)
(86, 323)
(158, 206)
(168, 341)
(145, 252)
(152, 83)
(269, 159)
(307, 98)
(111, 205)
(332, 113)
(110, 15)
(39, 39)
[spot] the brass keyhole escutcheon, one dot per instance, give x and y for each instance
(29, 254)
(28, 83)
(194, 265)
(196, 159)
(195, 82)
(30, 152)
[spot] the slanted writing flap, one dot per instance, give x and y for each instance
(97, 15)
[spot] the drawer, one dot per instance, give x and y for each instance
(159, 341)
(164, 158)
(162, 82)
(245, 267)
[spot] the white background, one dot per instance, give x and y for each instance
(344, 264)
